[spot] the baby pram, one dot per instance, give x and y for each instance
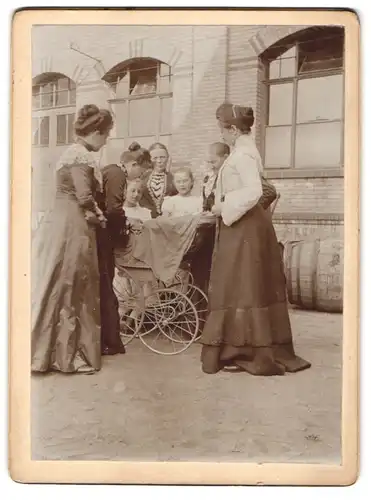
(166, 315)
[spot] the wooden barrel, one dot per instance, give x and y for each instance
(314, 274)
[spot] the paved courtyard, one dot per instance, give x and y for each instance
(143, 406)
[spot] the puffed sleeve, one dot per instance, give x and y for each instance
(236, 203)
(82, 178)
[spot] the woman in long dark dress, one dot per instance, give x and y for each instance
(248, 325)
(65, 277)
(111, 202)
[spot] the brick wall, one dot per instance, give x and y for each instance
(209, 64)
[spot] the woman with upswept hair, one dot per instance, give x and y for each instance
(248, 327)
(65, 319)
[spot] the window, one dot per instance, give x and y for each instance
(304, 119)
(143, 102)
(54, 91)
(65, 132)
(40, 131)
(53, 103)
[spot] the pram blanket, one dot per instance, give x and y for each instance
(163, 243)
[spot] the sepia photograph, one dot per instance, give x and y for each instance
(187, 194)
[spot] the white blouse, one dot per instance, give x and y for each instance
(137, 213)
(239, 183)
(176, 206)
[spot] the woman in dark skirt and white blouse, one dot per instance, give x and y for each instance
(248, 326)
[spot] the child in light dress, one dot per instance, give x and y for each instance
(135, 214)
(183, 203)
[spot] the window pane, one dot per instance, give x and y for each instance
(280, 104)
(143, 81)
(35, 131)
(321, 53)
(61, 98)
(288, 63)
(70, 128)
(144, 117)
(320, 98)
(44, 131)
(73, 95)
(63, 83)
(274, 69)
(278, 147)
(122, 87)
(36, 97)
(47, 95)
(284, 66)
(318, 145)
(322, 65)
(61, 129)
(166, 115)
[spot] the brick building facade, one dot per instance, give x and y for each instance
(165, 82)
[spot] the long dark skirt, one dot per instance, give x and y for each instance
(65, 333)
(109, 307)
(248, 325)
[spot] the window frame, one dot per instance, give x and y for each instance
(53, 112)
(292, 171)
(158, 96)
(68, 116)
(54, 82)
(39, 118)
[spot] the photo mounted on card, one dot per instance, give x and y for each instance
(184, 301)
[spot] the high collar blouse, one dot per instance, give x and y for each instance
(239, 187)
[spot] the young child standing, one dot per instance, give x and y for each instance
(136, 216)
(218, 153)
(133, 211)
(183, 203)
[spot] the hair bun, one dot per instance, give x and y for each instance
(134, 146)
(87, 111)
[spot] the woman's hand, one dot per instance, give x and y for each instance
(216, 210)
(102, 221)
(95, 219)
(91, 218)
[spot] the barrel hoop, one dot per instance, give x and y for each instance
(316, 250)
(298, 276)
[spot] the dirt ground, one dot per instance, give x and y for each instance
(143, 406)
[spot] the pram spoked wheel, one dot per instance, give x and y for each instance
(201, 302)
(171, 322)
(130, 296)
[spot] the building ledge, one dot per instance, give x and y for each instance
(308, 218)
(303, 173)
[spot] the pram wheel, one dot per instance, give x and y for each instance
(171, 322)
(130, 296)
(200, 301)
